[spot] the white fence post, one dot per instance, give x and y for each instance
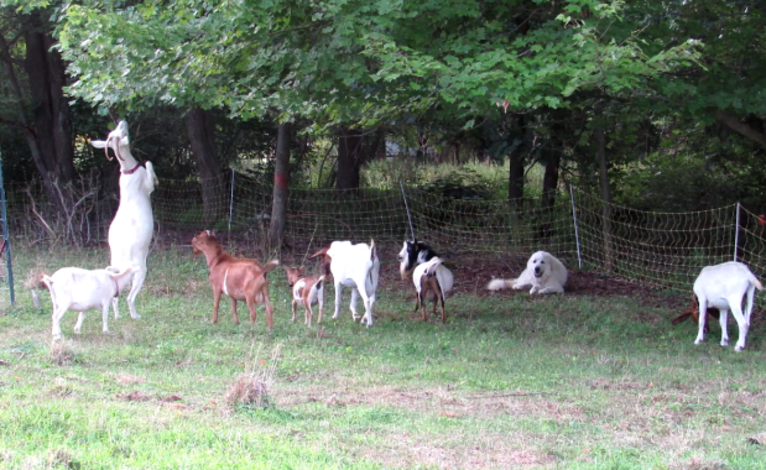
(231, 199)
(736, 235)
(574, 218)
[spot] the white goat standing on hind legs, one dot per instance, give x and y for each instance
(131, 230)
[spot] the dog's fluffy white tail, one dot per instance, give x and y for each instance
(497, 284)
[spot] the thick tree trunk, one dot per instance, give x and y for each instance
(51, 118)
(516, 173)
(281, 187)
(551, 178)
(349, 159)
(606, 214)
(200, 127)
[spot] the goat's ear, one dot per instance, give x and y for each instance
(681, 318)
(302, 269)
(99, 144)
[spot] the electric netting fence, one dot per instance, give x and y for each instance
(656, 248)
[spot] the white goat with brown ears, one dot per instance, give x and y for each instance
(130, 233)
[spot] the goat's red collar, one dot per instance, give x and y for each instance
(130, 172)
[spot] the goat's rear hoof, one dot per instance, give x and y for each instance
(135, 316)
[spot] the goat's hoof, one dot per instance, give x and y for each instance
(135, 317)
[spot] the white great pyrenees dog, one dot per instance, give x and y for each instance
(544, 272)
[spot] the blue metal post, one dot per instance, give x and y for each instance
(7, 243)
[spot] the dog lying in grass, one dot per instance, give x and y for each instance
(544, 272)
(239, 278)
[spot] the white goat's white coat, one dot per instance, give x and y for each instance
(130, 233)
(356, 266)
(723, 286)
(81, 290)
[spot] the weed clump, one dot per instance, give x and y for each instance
(251, 388)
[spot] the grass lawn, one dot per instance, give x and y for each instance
(511, 381)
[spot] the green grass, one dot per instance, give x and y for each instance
(511, 381)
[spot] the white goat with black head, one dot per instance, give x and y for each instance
(723, 286)
(413, 253)
(356, 266)
(431, 278)
(131, 230)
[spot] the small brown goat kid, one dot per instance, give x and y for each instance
(694, 313)
(239, 278)
(306, 290)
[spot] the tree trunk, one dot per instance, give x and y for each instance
(550, 187)
(200, 126)
(516, 173)
(51, 118)
(606, 215)
(281, 187)
(349, 159)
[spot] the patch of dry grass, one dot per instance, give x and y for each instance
(252, 387)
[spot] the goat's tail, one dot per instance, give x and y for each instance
(318, 285)
(321, 252)
(45, 281)
(325, 260)
(497, 284)
(757, 283)
(269, 266)
(373, 251)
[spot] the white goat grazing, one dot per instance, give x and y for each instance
(81, 290)
(723, 286)
(131, 230)
(356, 266)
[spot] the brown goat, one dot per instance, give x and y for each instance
(306, 290)
(239, 278)
(694, 313)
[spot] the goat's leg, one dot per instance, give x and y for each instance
(723, 321)
(250, 302)
(295, 306)
(269, 310)
(78, 325)
(337, 298)
(320, 301)
(354, 296)
(368, 301)
(309, 314)
(234, 310)
(138, 281)
(701, 321)
(105, 318)
(58, 314)
(742, 322)
(216, 302)
(116, 306)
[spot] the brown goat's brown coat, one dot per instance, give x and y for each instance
(239, 278)
(694, 313)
